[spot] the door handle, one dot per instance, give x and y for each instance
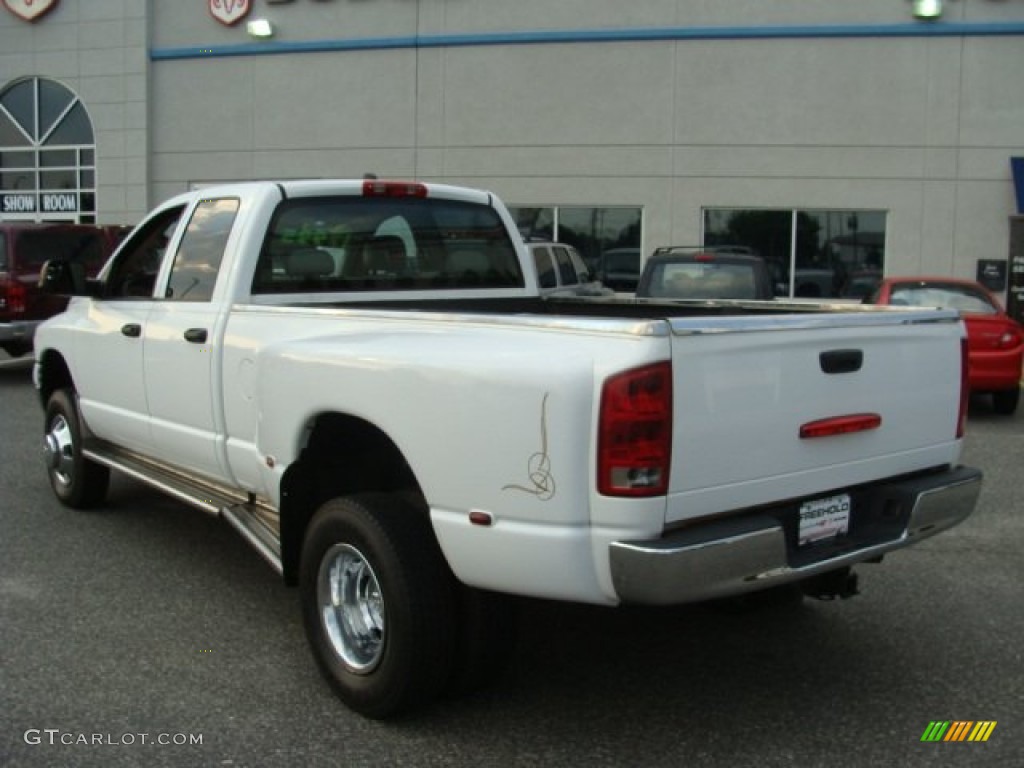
(196, 335)
(841, 360)
(131, 330)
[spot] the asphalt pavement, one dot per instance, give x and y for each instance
(148, 634)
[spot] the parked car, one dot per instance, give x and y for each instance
(995, 341)
(24, 247)
(696, 272)
(861, 283)
(619, 269)
(561, 271)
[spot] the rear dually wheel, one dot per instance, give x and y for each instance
(377, 603)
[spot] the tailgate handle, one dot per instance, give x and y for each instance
(841, 360)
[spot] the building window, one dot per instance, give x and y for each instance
(47, 153)
(591, 231)
(811, 253)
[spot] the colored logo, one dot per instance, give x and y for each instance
(29, 10)
(958, 730)
(229, 11)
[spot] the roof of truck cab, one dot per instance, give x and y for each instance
(299, 188)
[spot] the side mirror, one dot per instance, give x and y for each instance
(63, 278)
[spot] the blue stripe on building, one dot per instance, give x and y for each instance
(628, 35)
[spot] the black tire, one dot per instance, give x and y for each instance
(377, 603)
(78, 482)
(487, 630)
(1005, 401)
(16, 348)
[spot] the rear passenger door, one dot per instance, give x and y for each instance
(183, 390)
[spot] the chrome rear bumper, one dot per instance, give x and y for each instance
(751, 552)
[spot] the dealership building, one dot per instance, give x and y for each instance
(831, 137)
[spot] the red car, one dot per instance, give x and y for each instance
(995, 342)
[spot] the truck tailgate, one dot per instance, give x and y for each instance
(743, 390)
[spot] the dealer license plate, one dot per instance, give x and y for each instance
(824, 519)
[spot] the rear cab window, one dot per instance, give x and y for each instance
(339, 244)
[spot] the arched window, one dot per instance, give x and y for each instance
(47, 153)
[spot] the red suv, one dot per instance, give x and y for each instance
(24, 247)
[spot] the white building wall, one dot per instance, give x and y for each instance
(98, 49)
(847, 110)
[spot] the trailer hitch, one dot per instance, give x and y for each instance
(840, 583)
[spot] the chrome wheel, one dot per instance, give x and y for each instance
(351, 608)
(59, 450)
(76, 481)
(377, 602)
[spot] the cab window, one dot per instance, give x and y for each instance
(197, 262)
(133, 274)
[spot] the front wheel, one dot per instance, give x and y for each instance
(76, 481)
(377, 603)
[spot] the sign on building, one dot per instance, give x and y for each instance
(30, 10)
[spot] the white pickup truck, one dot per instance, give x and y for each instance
(362, 378)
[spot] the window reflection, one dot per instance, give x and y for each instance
(592, 231)
(811, 253)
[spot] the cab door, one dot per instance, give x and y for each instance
(185, 404)
(109, 354)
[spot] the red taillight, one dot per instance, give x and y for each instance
(634, 447)
(1009, 339)
(12, 296)
(965, 391)
(374, 188)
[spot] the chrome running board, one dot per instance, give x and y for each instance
(255, 520)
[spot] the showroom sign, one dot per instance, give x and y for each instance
(47, 202)
(230, 12)
(30, 10)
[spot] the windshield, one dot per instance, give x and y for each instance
(963, 298)
(342, 244)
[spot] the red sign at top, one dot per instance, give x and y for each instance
(30, 10)
(229, 11)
